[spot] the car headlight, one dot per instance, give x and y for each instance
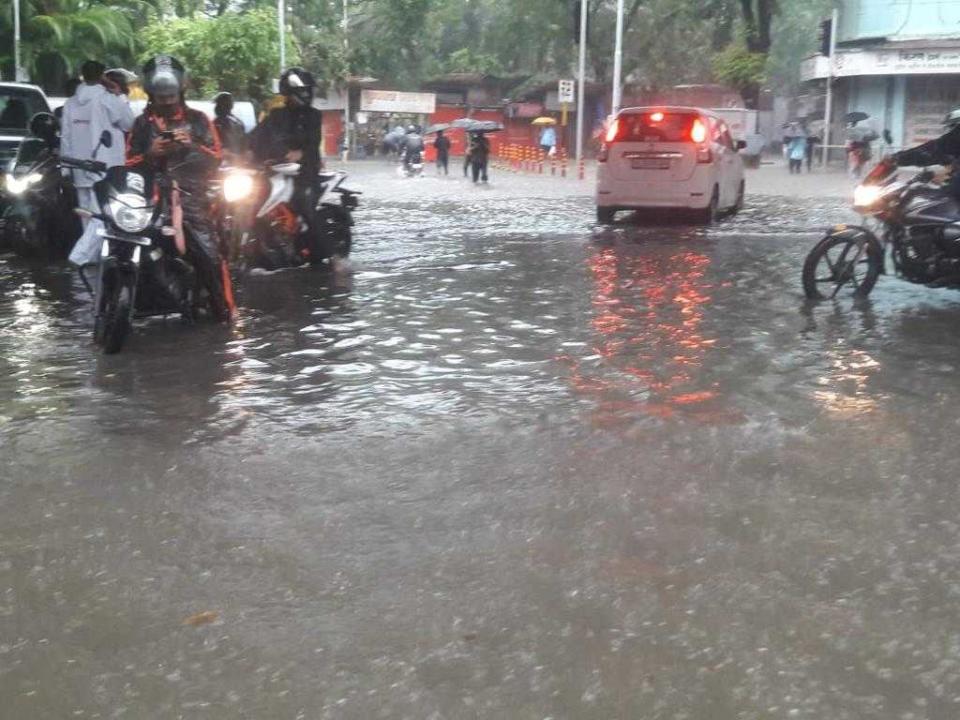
(866, 196)
(17, 185)
(130, 214)
(237, 186)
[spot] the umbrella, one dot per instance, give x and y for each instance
(544, 120)
(855, 117)
(477, 126)
(437, 128)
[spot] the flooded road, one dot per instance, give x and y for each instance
(516, 466)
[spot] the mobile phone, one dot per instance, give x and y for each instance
(167, 135)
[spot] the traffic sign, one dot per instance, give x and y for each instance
(565, 91)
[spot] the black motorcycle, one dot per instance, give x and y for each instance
(38, 218)
(144, 266)
(917, 220)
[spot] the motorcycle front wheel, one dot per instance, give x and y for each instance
(112, 323)
(838, 266)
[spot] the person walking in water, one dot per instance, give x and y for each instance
(442, 146)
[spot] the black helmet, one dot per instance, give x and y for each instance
(411, 129)
(297, 83)
(952, 119)
(43, 125)
(164, 75)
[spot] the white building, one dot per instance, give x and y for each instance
(896, 60)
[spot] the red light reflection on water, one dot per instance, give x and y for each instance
(650, 345)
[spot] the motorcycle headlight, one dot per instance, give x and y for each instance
(130, 214)
(237, 186)
(18, 185)
(866, 196)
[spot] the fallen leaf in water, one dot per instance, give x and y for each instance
(203, 618)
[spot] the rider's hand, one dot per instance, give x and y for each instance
(161, 146)
(182, 136)
(294, 156)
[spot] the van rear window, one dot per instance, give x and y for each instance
(655, 127)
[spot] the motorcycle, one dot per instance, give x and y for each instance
(917, 220)
(278, 237)
(144, 268)
(412, 164)
(38, 220)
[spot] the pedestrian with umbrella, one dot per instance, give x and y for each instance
(548, 134)
(796, 142)
(859, 138)
(442, 146)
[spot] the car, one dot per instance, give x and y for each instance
(18, 104)
(242, 110)
(669, 158)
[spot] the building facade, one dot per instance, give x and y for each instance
(896, 60)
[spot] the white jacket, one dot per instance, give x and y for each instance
(90, 111)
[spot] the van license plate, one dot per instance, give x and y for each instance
(650, 164)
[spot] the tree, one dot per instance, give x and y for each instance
(236, 52)
(58, 35)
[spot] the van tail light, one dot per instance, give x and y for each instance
(613, 131)
(698, 131)
(604, 153)
(698, 134)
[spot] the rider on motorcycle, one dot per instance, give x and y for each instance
(412, 144)
(292, 134)
(171, 137)
(944, 150)
(229, 127)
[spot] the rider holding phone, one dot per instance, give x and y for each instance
(181, 141)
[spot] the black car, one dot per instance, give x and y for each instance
(18, 104)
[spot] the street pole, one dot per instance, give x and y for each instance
(282, 27)
(17, 70)
(828, 112)
(617, 61)
(580, 76)
(346, 94)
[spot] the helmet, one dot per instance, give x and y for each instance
(952, 119)
(121, 77)
(164, 75)
(411, 129)
(297, 83)
(44, 126)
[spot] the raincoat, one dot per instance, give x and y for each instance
(90, 111)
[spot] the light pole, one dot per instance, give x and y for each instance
(282, 27)
(582, 65)
(828, 111)
(17, 70)
(617, 61)
(346, 92)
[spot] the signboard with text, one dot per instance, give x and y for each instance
(884, 62)
(565, 91)
(392, 101)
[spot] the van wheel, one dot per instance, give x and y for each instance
(708, 216)
(741, 196)
(605, 215)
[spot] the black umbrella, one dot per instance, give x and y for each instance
(855, 117)
(477, 126)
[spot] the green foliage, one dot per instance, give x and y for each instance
(236, 52)
(739, 68)
(466, 60)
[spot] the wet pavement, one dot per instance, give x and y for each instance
(516, 466)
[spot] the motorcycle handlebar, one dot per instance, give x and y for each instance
(88, 165)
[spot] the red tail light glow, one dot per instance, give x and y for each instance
(613, 130)
(698, 133)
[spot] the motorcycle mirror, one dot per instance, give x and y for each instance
(741, 144)
(106, 139)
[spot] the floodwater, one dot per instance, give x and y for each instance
(514, 467)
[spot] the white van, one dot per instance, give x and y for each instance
(669, 157)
